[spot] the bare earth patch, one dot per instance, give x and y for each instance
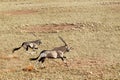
(7, 57)
(49, 28)
(62, 27)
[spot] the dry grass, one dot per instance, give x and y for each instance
(92, 28)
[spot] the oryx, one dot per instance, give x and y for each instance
(57, 52)
(29, 44)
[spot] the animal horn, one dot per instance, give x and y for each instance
(63, 41)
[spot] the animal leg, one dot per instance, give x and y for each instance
(36, 64)
(42, 59)
(34, 50)
(26, 48)
(65, 57)
(62, 58)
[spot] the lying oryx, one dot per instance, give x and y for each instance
(57, 52)
(29, 44)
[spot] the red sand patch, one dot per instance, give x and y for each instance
(8, 70)
(29, 68)
(86, 62)
(49, 28)
(18, 12)
(7, 57)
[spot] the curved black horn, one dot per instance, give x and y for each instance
(63, 41)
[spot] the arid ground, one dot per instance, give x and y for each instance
(90, 27)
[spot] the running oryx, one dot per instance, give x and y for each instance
(29, 44)
(57, 52)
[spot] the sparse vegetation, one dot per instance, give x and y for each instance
(91, 27)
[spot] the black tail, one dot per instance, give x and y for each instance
(16, 49)
(31, 59)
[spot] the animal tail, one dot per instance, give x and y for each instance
(31, 59)
(17, 48)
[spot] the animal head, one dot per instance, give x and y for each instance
(68, 48)
(38, 41)
(65, 44)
